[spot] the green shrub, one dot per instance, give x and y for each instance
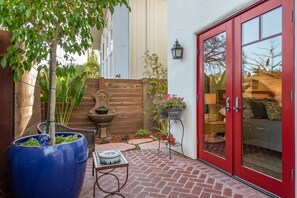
(142, 133)
(69, 92)
(156, 74)
(31, 142)
(59, 140)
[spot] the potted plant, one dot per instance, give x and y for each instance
(38, 28)
(171, 140)
(164, 135)
(175, 105)
(170, 103)
(159, 102)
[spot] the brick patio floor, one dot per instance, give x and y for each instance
(152, 174)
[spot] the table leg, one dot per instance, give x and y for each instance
(169, 138)
(159, 138)
(96, 181)
(119, 187)
(93, 167)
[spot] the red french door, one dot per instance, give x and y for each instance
(214, 85)
(246, 104)
(264, 87)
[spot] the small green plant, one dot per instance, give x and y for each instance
(162, 131)
(142, 133)
(59, 140)
(31, 142)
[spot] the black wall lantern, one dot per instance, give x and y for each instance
(177, 50)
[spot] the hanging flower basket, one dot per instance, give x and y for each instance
(162, 114)
(174, 113)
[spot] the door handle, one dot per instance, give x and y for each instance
(236, 108)
(227, 104)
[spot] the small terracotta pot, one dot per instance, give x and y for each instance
(164, 136)
(171, 141)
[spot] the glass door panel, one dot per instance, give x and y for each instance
(215, 78)
(262, 98)
(215, 94)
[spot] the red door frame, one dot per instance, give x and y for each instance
(223, 163)
(286, 187)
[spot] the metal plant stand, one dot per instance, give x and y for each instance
(172, 120)
(99, 168)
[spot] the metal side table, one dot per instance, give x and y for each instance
(171, 121)
(105, 170)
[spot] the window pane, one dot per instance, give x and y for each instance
(250, 31)
(262, 106)
(272, 22)
(214, 101)
(215, 45)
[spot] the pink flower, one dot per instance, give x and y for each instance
(169, 97)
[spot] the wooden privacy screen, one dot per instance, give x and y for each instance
(27, 109)
(6, 116)
(126, 97)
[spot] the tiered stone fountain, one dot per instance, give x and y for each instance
(102, 113)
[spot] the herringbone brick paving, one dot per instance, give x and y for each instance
(152, 174)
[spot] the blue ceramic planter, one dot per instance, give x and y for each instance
(48, 171)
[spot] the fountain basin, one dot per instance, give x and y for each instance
(101, 118)
(102, 113)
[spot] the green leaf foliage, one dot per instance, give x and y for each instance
(92, 66)
(156, 72)
(36, 25)
(61, 139)
(142, 133)
(69, 92)
(31, 142)
(3, 62)
(156, 75)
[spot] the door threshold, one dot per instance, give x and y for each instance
(241, 180)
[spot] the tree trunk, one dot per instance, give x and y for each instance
(53, 83)
(52, 106)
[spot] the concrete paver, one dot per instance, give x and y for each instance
(112, 146)
(151, 145)
(140, 141)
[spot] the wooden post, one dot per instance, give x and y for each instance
(146, 101)
(6, 116)
(102, 83)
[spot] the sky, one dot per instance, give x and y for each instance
(77, 59)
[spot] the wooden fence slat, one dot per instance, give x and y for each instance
(126, 97)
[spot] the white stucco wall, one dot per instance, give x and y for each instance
(185, 20)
